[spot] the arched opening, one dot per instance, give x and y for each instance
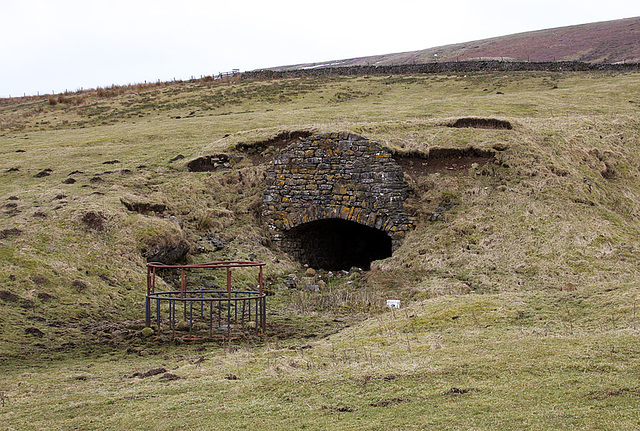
(336, 244)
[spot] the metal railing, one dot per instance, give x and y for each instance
(196, 305)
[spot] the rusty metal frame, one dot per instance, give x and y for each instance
(253, 303)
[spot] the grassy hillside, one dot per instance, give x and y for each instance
(519, 302)
(599, 42)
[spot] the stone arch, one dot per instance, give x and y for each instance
(336, 176)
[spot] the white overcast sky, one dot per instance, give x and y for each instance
(56, 45)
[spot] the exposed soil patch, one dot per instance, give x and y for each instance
(43, 173)
(34, 331)
(603, 395)
(443, 160)
(95, 220)
(209, 163)
(44, 296)
(6, 233)
(39, 280)
(389, 402)
(481, 123)
(143, 207)
(152, 372)
(458, 391)
(168, 250)
(263, 151)
(8, 296)
(169, 377)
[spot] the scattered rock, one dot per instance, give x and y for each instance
(39, 214)
(310, 272)
(96, 179)
(215, 242)
(111, 162)
(69, 181)
(445, 205)
(13, 198)
(176, 158)
(75, 172)
(231, 377)
(13, 170)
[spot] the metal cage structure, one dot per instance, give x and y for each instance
(202, 305)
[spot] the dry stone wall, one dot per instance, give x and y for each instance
(466, 66)
(335, 176)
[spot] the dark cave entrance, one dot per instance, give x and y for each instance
(336, 244)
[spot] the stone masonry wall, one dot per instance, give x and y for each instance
(336, 175)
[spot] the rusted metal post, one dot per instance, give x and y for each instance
(228, 302)
(263, 315)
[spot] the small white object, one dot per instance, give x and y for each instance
(393, 303)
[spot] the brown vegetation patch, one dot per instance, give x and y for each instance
(481, 123)
(443, 160)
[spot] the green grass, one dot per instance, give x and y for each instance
(519, 305)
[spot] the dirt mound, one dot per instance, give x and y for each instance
(6, 233)
(481, 123)
(443, 160)
(95, 220)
